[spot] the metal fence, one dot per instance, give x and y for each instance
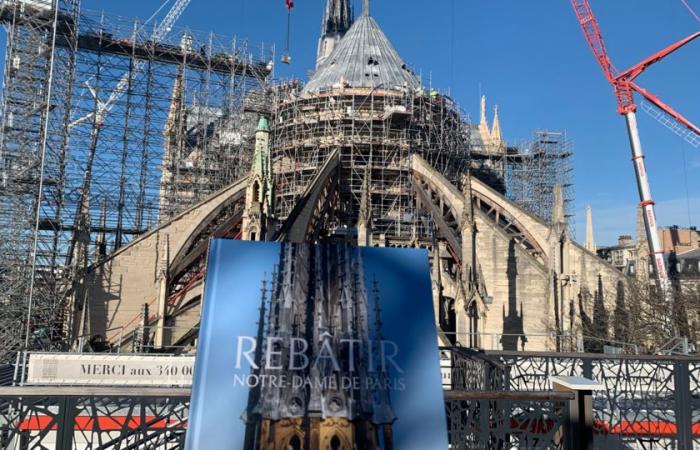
(649, 402)
(92, 418)
(71, 418)
(483, 414)
(496, 420)
(493, 400)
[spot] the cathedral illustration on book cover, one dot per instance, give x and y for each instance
(318, 295)
(316, 347)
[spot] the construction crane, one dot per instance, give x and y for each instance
(103, 108)
(624, 87)
(671, 123)
(98, 117)
(286, 57)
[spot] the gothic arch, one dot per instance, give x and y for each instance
(473, 317)
(295, 442)
(199, 230)
(337, 441)
(446, 202)
(182, 240)
(336, 444)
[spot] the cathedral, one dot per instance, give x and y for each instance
(365, 154)
(318, 307)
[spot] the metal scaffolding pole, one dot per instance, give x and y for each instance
(73, 189)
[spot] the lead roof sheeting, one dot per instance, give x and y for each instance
(363, 58)
(690, 254)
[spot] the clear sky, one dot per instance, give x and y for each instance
(530, 58)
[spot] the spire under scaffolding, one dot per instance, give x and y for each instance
(337, 20)
(534, 171)
(364, 58)
(496, 137)
(69, 193)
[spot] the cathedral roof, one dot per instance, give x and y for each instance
(263, 124)
(363, 58)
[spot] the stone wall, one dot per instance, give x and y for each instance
(118, 287)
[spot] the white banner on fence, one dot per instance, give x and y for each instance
(107, 369)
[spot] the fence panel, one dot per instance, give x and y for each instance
(650, 402)
(93, 422)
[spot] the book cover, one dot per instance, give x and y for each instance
(316, 347)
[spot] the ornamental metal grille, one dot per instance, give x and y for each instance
(93, 422)
(495, 400)
(649, 402)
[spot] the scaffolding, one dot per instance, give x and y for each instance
(534, 170)
(76, 187)
(375, 131)
(487, 161)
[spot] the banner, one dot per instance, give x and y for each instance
(316, 346)
(105, 369)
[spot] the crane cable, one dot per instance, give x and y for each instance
(289, 29)
(691, 10)
(290, 5)
(153, 16)
(452, 45)
(687, 190)
(685, 162)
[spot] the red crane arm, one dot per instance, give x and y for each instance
(656, 101)
(625, 87)
(591, 31)
(634, 71)
(623, 82)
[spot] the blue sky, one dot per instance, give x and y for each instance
(232, 299)
(530, 58)
(403, 278)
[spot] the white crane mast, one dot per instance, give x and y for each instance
(103, 108)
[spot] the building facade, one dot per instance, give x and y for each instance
(364, 154)
(318, 297)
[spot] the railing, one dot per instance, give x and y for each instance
(58, 418)
(468, 370)
(483, 414)
(500, 400)
(142, 339)
(648, 401)
(145, 339)
(514, 341)
(506, 420)
(7, 374)
(92, 418)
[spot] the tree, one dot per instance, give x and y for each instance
(680, 315)
(586, 323)
(600, 318)
(621, 324)
(654, 324)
